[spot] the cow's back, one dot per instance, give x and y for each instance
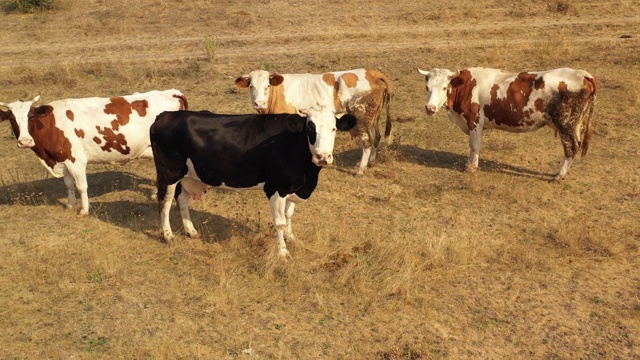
(238, 151)
(516, 102)
(113, 129)
(301, 91)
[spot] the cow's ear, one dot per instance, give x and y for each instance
(4, 115)
(346, 122)
(275, 79)
(43, 110)
(243, 82)
(457, 81)
(296, 124)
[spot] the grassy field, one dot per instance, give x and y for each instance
(414, 260)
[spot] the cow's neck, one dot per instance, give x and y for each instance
(277, 103)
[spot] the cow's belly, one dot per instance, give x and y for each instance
(258, 186)
(195, 186)
(516, 125)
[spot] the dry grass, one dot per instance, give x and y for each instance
(415, 260)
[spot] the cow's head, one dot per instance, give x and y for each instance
(18, 115)
(259, 82)
(439, 84)
(321, 128)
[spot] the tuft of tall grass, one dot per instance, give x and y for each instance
(29, 6)
(210, 48)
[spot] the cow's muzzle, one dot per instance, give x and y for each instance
(261, 107)
(323, 159)
(25, 143)
(431, 109)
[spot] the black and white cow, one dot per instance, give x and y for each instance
(279, 153)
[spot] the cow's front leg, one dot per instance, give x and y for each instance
(288, 213)
(475, 138)
(278, 206)
(70, 183)
(78, 172)
(164, 204)
(183, 206)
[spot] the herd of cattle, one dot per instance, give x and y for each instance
(283, 148)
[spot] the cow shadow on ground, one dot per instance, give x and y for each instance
(51, 190)
(348, 160)
(138, 216)
(144, 217)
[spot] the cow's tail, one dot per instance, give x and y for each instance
(184, 104)
(387, 126)
(587, 114)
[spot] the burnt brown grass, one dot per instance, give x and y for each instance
(416, 259)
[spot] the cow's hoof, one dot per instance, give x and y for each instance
(167, 235)
(289, 237)
(284, 255)
(193, 234)
(83, 213)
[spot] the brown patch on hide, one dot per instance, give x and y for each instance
(459, 99)
(121, 108)
(113, 141)
(510, 111)
(51, 144)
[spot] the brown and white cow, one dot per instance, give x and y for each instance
(288, 93)
(482, 98)
(68, 134)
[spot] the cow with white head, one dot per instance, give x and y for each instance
(273, 93)
(282, 154)
(483, 98)
(18, 115)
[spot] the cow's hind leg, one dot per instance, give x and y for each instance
(568, 116)
(367, 146)
(375, 134)
(568, 144)
(165, 198)
(278, 206)
(183, 205)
